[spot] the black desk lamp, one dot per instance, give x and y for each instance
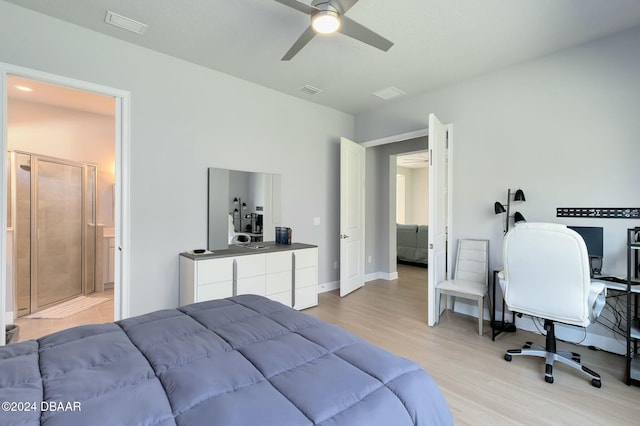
(502, 325)
(500, 208)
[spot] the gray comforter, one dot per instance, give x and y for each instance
(245, 360)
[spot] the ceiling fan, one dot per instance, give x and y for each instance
(327, 16)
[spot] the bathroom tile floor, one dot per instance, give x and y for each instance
(35, 328)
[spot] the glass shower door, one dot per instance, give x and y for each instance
(90, 237)
(58, 228)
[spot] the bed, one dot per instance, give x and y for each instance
(245, 360)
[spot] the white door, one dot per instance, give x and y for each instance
(437, 210)
(352, 160)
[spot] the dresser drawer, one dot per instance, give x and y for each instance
(278, 282)
(306, 277)
(214, 270)
(218, 290)
(279, 262)
(251, 285)
(306, 257)
(284, 297)
(250, 266)
(306, 297)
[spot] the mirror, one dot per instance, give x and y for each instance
(250, 202)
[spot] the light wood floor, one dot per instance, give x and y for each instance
(479, 385)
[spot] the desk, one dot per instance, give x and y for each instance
(620, 285)
(631, 328)
(498, 327)
(501, 326)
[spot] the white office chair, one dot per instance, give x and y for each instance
(470, 279)
(547, 275)
(237, 237)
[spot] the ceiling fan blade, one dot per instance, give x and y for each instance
(301, 7)
(354, 30)
(302, 41)
(345, 4)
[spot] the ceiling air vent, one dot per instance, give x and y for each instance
(125, 23)
(389, 93)
(309, 89)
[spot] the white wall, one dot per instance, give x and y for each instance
(420, 196)
(401, 194)
(417, 194)
(184, 119)
(563, 128)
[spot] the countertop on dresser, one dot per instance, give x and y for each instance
(240, 250)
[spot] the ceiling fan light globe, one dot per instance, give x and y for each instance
(326, 22)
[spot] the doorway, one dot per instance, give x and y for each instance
(106, 198)
(381, 180)
(412, 208)
(440, 199)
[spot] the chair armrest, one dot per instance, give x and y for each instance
(597, 299)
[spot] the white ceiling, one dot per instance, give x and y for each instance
(416, 160)
(51, 94)
(436, 41)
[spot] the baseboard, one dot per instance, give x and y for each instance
(470, 309)
(575, 335)
(335, 285)
(330, 286)
(388, 276)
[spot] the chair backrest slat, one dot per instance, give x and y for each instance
(472, 262)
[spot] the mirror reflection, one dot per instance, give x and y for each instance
(244, 207)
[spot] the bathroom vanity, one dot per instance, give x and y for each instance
(285, 273)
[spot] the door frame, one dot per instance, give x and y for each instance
(431, 306)
(122, 181)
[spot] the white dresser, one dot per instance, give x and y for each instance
(286, 273)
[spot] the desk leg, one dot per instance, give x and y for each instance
(493, 306)
(500, 327)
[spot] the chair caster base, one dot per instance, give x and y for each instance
(569, 358)
(548, 373)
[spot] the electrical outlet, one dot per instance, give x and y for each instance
(316, 221)
(369, 259)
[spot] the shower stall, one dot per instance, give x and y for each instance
(52, 210)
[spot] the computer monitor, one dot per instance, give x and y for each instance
(592, 236)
